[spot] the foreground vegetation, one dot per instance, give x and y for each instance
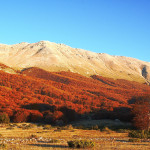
(27, 136)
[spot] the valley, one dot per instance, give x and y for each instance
(52, 93)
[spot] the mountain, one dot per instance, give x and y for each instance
(49, 82)
(59, 57)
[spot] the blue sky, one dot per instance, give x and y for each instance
(116, 27)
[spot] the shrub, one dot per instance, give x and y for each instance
(54, 141)
(47, 127)
(135, 140)
(33, 136)
(28, 126)
(10, 128)
(59, 129)
(122, 131)
(82, 127)
(3, 145)
(139, 134)
(32, 125)
(68, 127)
(4, 118)
(106, 129)
(95, 127)
(81, 144)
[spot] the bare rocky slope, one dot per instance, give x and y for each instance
(59, 57)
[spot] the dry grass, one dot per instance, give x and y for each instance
(36, 138)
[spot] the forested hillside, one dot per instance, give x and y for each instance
(37, 95)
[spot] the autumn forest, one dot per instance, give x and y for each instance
(35, 95)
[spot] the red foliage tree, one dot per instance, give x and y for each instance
(36, 116)
(141, 111)
(58, 115)
(21, 116)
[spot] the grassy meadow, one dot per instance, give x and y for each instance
(28, 136)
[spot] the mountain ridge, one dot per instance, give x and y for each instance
(60, 57)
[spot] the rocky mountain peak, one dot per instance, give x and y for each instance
(60, 57)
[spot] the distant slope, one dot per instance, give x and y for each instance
(7, 69)
(59, 57)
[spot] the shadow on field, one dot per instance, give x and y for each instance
(48, 145)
